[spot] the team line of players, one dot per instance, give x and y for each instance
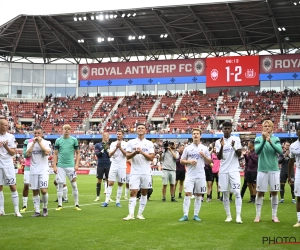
(141, 152)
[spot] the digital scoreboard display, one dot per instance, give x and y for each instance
(232, 71)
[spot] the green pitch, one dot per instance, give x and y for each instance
(103, 228)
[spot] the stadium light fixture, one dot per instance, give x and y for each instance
(75, 18)
(101, 17)
(80, 41)
(106, 16)
(92, 17)
(134, 14)
(283, 29)
(162, 35)
(115, 16)
(84, 18)
(279, 28)
(143, 36)
(123, 15)
(111, 16)
(128, 15)
(100, 39)
(295, 3)
(166, 35)
(110, 39)
(131, 38)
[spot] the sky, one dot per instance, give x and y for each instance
(13, 8)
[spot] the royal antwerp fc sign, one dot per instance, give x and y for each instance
(146, 69)
(280, 63)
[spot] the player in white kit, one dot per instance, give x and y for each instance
(117, 171)
(194, 156)
(228, 150)
(38, 150)
(141, 151)
(7, 170)
(295, 158)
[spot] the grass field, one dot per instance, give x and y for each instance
(103, 228)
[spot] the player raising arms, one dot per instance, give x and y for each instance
(228, 150)
(194, 157)
(267, 146)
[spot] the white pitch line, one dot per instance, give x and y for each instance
(82, 205)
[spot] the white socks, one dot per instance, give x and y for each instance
(45, 200)
(119, 194)
(197, 205)
(108, 193)
(186, 205)
(131, 205)
(75, 192)
(274, 205)
(258, 204)
(226, 203)
(25, 200)
(143, 202)
(36, 203)
(15, 200)
(65, 192)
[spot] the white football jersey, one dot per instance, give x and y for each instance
(39, 161)
(295, 153)
(118, 160)
(140, 165)
(192, 152)
(230, 161)
(6, 160)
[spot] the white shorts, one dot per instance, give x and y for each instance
(62, 173)
(38, 181)
(7, 176)
(168, 177)
(143, 181)
(26, 177)
(199, 184)
(117, 174)
(264, 180)
(297, 187)
(127, 178)
(229, 181)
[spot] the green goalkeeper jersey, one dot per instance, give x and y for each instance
(267, 153)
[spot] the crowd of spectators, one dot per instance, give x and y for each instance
(256, 107)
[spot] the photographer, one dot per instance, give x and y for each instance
(168, 159)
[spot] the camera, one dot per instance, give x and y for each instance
(167, 143)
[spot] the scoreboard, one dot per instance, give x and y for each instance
(232, 71)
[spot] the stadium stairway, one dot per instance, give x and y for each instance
(219, 100)
(154, 107)
(237, 114)
(96, 107)
(177, 103)
(115, 107)
(283, 116)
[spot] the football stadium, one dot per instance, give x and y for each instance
(170, 126)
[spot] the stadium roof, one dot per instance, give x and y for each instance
(184, 31)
